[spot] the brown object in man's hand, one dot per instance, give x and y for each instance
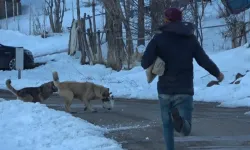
(212, 83)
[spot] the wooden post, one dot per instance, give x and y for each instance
(87, 50)
(88, 41)
(94, 39)
(6, 14)
(99, 49)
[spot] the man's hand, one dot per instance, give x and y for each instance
(220, 77)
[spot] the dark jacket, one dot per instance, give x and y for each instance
(177, 46)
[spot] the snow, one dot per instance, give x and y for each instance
(247, 113)
(29, 126)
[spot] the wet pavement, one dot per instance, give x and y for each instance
(136, 124)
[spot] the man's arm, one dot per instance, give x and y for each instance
(149, 55)
(204, 61)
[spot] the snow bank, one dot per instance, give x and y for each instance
(133, 83)
(247, 113)
(36, 44)
(29, 126)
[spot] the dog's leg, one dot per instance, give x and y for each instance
(68, 98)
(67, 105)
(41, 97)
(88, 105)
(85, 108)
(26, 98)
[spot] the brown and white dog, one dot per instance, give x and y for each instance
(84, 91)
(33, 94)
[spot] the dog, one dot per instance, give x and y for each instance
(84, 91)
(33, 94)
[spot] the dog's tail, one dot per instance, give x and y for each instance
(10, 87)
(56, 79)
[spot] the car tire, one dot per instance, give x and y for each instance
(12, 64)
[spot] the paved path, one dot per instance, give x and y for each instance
(136, 125)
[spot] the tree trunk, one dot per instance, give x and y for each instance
(99, 49)
(141, 26)
(95, 47)
(87, 50)
(157, 8)
(114, 30)
(129, 42)
(80, 34)
(56, 14)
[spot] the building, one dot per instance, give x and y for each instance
(9, 8)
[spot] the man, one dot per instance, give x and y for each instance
(176, 45)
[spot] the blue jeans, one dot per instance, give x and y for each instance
(184, 104)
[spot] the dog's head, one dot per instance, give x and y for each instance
(52, 87)
(107, 99)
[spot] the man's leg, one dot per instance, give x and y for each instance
(182, 113)
(168, 129)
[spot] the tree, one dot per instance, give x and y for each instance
(192, 14)
(113, 29)
(126, 22)
(141, 24)
(235, 27)
(80, 34)
(55, 9)
(157, 8)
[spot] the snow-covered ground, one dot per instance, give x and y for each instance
(33, 126)
(247, 113)
(133, 83)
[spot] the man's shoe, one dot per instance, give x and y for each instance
(178, 121)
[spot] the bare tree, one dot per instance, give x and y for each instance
(157, 8)
(56, 14)
(191, 13)
(141, 24)
(6, 14)
(95, 43)
(126, 20)
(113, 29)
(80, 34)
(235, 27)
